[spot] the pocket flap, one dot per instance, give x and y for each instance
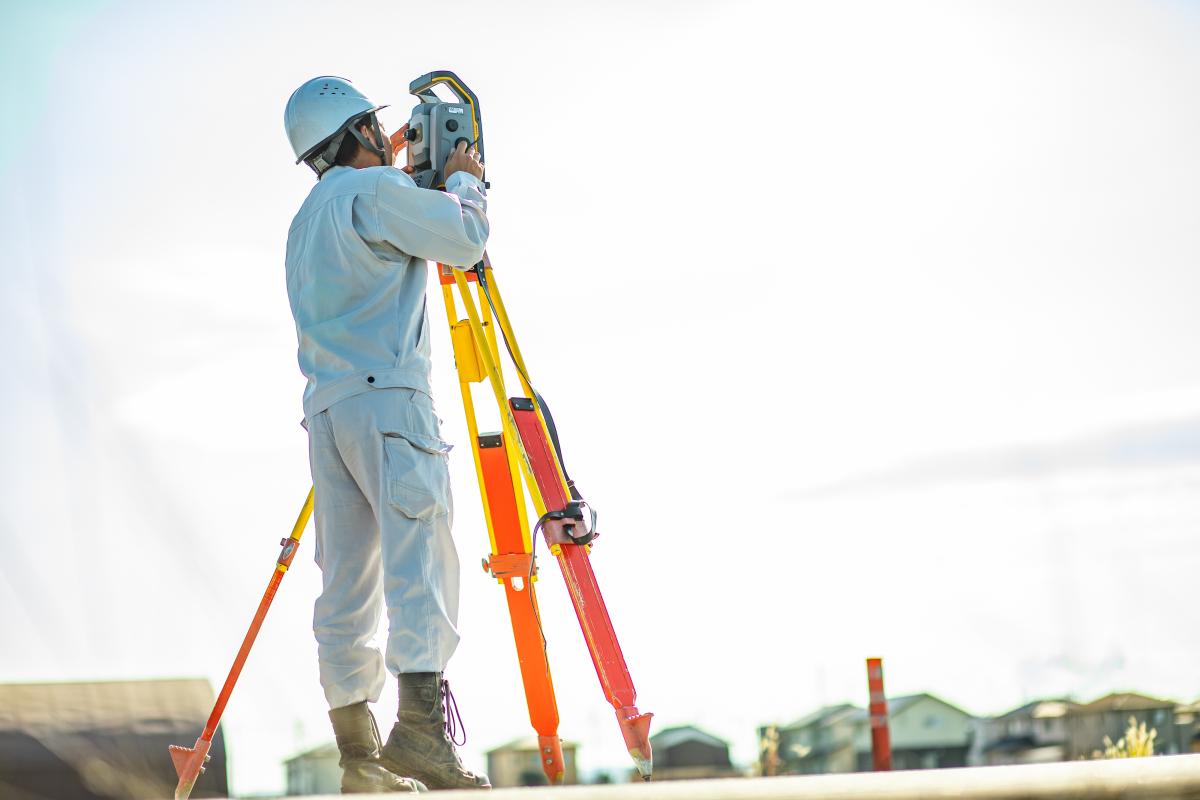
(418, 480)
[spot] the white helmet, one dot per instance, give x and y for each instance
(320, 111)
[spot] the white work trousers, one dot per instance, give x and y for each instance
(383, 515)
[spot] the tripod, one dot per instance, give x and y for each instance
(527, 447)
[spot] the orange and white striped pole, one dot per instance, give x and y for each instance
(881, 742)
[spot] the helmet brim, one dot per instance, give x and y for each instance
(319, 146)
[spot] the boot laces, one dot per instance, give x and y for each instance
(454, 724)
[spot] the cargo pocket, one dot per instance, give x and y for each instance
(417, 475)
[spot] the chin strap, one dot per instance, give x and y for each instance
(366, 144)
(324, 159)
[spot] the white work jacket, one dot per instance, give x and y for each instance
(356, 276)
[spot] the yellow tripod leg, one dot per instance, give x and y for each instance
(523, 372)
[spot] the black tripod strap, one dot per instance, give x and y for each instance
(480, 274)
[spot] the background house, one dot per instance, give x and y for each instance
(1109, 716)
(79, 741)
(1063, 730)
(1187, 728)
(926, 732)
(518, 763)
(822, 741)
(686, 752)
(314, 771)
(1034, 733)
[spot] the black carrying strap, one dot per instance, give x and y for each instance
(480, 271)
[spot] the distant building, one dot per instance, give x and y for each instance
(820, 742)
(1187, 728)
(519, 763)
(926, 732)
(314, 771)
(1109, 716)
(1063, 730)
(80, 741)
(686, 752)
(1036, 732)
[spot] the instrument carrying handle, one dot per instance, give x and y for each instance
(422, 87)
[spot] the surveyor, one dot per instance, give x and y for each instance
(356, 262)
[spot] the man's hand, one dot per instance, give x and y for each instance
(464, 160)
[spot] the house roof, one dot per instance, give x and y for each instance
(895, 705)
(829, 715)
(1048, 707)
(104, 704)
(110, 736)
(669, 737)
(822, 715)
(1126, 701)
(898, 705)
(528, 744)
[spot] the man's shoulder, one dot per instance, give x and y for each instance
(340, 181)
(337, 182)
(347, 181)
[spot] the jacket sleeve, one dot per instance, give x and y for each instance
(449, 227)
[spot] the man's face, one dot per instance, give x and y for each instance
(389, 158)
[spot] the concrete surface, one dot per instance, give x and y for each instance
(1154, 777)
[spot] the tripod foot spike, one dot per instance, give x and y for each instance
(189, 763)
(635, 729)
(550, 751)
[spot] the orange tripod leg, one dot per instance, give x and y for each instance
(512, 564)
(511, 561)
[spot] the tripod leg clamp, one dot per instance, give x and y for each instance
(566, 526)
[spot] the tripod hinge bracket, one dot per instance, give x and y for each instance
(510, 565)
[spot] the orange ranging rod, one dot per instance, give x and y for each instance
(189, 761)
(881, 739)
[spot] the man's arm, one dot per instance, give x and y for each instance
(449, 227)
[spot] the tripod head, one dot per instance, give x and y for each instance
(437, 127)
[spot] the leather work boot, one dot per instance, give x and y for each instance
(358, 742)
(421, 743)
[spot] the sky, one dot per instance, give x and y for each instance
(869, 329)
